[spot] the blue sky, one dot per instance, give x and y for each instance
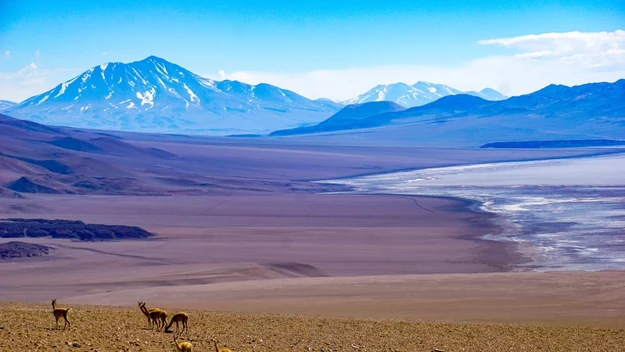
(279, 40)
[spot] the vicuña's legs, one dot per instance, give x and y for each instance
(159, 317)
(67, 322)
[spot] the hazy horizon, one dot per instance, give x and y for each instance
(321, 50)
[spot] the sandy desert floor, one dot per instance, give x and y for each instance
(30, 327)
(559, 298)
(204, 240)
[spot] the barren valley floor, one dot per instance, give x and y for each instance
(204, 240)
(240, 229)
(354, 256)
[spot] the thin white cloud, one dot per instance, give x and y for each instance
(29, 71)
(104, 53)
(7, 54)
(592, 49)
(37, 54)
(31, 80)
(539, 60)
(562, 43)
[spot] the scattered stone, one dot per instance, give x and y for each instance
(17, 249)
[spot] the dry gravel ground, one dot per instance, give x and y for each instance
(30, 327)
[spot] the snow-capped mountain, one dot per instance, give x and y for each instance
(158, 96)
(5, 104)
(418, 94)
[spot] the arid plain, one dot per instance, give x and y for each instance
(240, 228)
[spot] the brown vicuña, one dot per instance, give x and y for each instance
(184, 346)
(157, 316)
(60, 312)
(146, 312)
(180, 317)
(217, 349)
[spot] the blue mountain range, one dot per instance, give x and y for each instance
(589, 111)
(154, 95)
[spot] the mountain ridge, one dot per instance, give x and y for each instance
(346, 115)
(418, 94)
(156, 95)
(590, 111)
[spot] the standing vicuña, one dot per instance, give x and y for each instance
(60, 312)
(180, 317)
(157, 316)
(146, 312)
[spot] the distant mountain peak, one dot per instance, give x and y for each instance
(488, 90)
(418, 94)
(153, 59)
(154, 94)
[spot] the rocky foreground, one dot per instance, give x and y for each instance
(31, 327)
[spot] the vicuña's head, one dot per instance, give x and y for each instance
(183, 346)
(217, 349)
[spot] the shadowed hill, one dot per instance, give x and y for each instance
(349, 116)
(116, 146)
(23, 129)
(42, 159)
(75, 144)
(25, 185)
(60, 160)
